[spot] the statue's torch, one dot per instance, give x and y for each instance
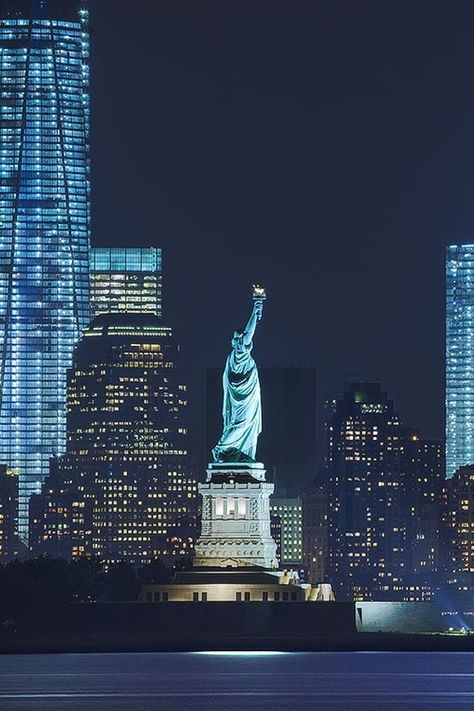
(259, 296)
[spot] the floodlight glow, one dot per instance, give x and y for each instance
(234, 653)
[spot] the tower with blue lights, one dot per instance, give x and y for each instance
(44, 226)
(126, 279)
(459, 357)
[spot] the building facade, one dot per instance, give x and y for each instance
(61, 516)
(126, 467)
(423, 465)
(237, 585)
(289, 511)
(126, 279)
(384, 501)
(459, 357)
(44, 227)
(367, 526)
(10, 547)
(461, 525)
(315, 531)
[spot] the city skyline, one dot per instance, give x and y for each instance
(236, 353)
(343, 177)
(120, 275)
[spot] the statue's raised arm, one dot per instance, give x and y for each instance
(242, 408)
(255, 316)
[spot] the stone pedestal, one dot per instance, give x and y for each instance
(236, 518)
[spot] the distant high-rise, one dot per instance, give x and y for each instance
(315, 531)
(423, 484)
(8, 514)
(367, 523)
(384, 500)
(459, 357)
(126, 279)
(44, 226)
(61, 517)
(127, 461)
(289, 513)
(287, 443)
(461, 525)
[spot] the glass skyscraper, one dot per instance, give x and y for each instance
(126, 279)
(44, 226)
(459, 357)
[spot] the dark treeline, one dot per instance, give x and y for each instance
(46, 584)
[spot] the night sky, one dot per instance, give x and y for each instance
(325, 149)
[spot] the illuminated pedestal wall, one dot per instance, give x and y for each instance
(236, 585)
(236, 518)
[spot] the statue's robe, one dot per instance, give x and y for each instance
(242, 409)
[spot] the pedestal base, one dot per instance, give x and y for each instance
(236, 518)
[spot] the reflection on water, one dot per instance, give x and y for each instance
(232, 653)
(237, 680)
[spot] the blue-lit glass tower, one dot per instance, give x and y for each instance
(459, 357)
(126, 279)
(44, 226)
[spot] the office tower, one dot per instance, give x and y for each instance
(367, 521)
(384, 501)
(461, 525)
(126, 279)
(289, 513)
(127, 443)
(9, 544)
(423, 466)
(44, 227)
(287, 443)
(314, 503)
(459, 357)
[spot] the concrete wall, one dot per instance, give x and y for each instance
(408, 617)
(196, 623)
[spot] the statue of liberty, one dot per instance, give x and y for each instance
(242, 407)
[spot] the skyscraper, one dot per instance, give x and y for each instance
(461, 523)
(123, 488)
(126, 279)
(44, 226)
(459, 357)
(9, 544)
(367, 522)
(289, 513)
(315, 530)
(423, 483)
(384, 496)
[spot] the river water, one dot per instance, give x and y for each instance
(223, 681)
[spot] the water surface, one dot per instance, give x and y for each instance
(237, 680)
